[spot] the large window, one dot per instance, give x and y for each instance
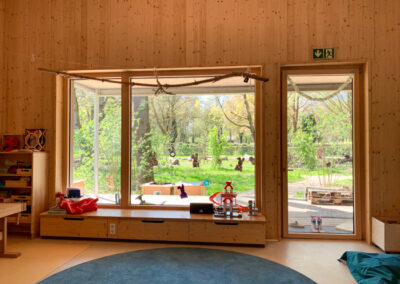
(195, 137)
(130, 146)
(95, 148)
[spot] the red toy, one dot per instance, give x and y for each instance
(11, 143)
(79, 207)
(228, 195)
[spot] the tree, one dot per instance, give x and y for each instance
(141, 148)
(110, 144)
(173, 115)
(239, 112)
(217, 145)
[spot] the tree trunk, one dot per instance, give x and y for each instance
(249, 118)
(141, 131)
(295, 118)
(77, 120)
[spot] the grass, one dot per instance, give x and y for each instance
(299, 194)
(344, 182)
(297, 175)
(242, 181)
(217, 177)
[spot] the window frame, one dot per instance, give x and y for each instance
(126, 76)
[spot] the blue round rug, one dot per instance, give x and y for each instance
(179, 265)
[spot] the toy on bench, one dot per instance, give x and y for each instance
(183, 192)
(228, 205)
(79, 207)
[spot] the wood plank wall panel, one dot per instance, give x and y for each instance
(102, 34)
(2, 69)
(385, 110)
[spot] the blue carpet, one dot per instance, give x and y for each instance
(179, 265)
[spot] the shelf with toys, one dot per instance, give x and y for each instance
(23, 178)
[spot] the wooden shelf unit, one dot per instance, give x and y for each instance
(29, 222)
(14, 175)
(155, 225)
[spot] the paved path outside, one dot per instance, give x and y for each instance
(301, 210)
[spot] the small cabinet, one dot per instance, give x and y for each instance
(23, 178)
(148, 229)
(81, 227)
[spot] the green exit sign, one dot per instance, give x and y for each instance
(323, 53)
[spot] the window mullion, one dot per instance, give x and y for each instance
(125, 143)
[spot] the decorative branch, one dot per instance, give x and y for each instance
(160, 88)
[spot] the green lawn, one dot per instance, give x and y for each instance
(297, 175)
(242, 181)
(344, 182)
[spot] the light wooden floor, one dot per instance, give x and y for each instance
(42, 257)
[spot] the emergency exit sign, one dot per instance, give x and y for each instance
(323, 53)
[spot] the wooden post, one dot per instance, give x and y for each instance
(96, 142)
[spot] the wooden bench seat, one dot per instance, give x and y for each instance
(155, 225)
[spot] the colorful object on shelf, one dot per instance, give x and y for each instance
(35, 139)
(228, 205)
(182, 189)
(79, 207)
(11, 143)
(20, 198)
(23, 171)
(5, 195)
(252, 207)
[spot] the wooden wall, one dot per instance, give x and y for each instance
(2, 70)
(104, 34)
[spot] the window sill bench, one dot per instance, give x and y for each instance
(155, 225)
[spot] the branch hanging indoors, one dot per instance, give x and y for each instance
(161, 88)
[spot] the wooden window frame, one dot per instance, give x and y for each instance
(64, 116)
(359, 144)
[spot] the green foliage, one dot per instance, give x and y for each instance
(305, 149)
(142, 168)
(141, 154)
(309, 126)
(217, 144)
(109, 146)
